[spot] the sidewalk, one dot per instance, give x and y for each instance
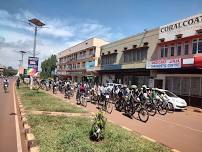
(178, 130)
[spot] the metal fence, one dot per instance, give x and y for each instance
(188, 87)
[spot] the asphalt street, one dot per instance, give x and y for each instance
(8, 132)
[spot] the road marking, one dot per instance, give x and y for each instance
(19, 145)
(183, 126)
(128, 129)
(175, 150)
(150, 139)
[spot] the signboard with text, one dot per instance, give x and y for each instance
(90, 65)
(33, 63)
(186, 27)
(164, 64)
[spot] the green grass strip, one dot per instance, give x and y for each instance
(41, 101)
(71, 134)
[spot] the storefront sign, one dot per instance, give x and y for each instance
(111, 67)
(164, 64)
(90, 65)
(33, 63)
(75, 73)
(188, 61)
(186, 27)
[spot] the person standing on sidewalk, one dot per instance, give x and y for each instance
(18, 82)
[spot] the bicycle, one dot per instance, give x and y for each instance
(134, 105)
(82, 100)
(105, 104)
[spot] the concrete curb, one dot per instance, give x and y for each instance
(145, 137)
(31, 142)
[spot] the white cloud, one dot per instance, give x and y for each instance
(60, 34)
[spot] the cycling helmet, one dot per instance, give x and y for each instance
(124, 86)
(133, 87)
(144, 86)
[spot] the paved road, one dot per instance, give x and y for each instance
(8, 136)
(178, 130)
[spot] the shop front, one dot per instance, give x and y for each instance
(183, 80)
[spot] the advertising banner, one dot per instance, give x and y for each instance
(90, 65)
(31, 71)
(111, 67)
(33, 63)
(164, 64)
(186, 27)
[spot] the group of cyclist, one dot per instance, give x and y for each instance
(101, 90)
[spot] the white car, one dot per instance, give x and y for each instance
(110, 86)
(175, 101)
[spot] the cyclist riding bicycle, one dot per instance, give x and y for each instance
(6, 83)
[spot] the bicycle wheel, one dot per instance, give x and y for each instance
(170, 107)
(151, 109)
(84, 102)
(109, 107)
(162, 109)
(143, 115)
(117, 105)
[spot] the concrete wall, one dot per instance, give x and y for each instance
(82, 46)
(150, 36)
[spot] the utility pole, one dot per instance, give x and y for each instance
(22, 55)
(35, 33)
(37, 24)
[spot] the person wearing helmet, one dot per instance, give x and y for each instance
(144, 87)
(6, 83)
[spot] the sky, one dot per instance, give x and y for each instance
(69, 22)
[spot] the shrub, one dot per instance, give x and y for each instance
(97, 131)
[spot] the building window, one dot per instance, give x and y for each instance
(143, 54)
(135, 56)
(162, 52)
(186, 48)
(109, 59)
(166, 51)
(172, 51)
(179, 48)
(138, 55)
(194, 46)
(200, 46)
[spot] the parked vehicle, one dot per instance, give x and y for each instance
(174, 102)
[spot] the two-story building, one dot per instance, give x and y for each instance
(78, 62)
(124, 61)
(176, 64)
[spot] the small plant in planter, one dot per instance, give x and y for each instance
(97, 131)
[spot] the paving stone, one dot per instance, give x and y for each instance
(34, 149)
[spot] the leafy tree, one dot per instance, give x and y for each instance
(9, 71)
(48, 66)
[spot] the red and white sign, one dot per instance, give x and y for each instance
(164, 64)
(186, 27)
(192, 62)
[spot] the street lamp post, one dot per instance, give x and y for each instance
(22, 53)
(37, 24)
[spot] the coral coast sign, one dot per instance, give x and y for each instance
(164, 64)
(186, 27)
